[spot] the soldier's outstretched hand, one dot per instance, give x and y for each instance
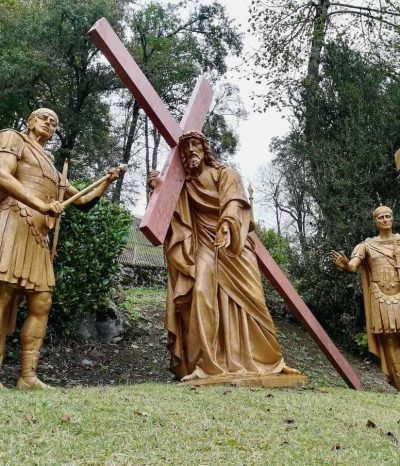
(339, 259)
(114, 174)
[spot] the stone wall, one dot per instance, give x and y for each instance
(143, 276)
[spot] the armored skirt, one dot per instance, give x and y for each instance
(24, 251)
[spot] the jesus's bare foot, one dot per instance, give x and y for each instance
(289, 370)
(196, 374)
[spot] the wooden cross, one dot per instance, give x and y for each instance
(161, 207)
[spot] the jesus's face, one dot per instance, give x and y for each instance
(193, 152)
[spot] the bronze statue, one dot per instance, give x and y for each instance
(217, 319)
(29, 187)
(379, 259)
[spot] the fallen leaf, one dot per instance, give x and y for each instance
(371, 424)
(31, 418)
(66, 418)
(289, 420)
(393, 437)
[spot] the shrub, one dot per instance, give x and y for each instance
(280, 251)
(86, 264)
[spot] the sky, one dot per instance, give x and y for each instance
(255, 133)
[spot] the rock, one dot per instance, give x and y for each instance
(107, 325)
(87, 362)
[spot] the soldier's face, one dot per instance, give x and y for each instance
(384, 221)
(43, 125)
(193, 152)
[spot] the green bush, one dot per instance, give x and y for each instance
(86, 265)
(280, 251)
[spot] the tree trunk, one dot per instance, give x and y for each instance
(312, 79)
(126, 155)
(147, 151)
(156, 145)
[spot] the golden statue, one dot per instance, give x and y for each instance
(217, 319)
(379, 259)
(29, 193)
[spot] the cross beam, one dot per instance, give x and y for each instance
(161, 207)
(301, 311)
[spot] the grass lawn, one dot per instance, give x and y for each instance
(166, 424)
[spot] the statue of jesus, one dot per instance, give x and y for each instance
(217, 319)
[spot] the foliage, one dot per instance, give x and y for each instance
(361, 340)
(280, 251)
(49, 60)
(86, 265)
(162, 424)
(174, 45)
(293, 35)
(222, 137)
(343, 172)
(277, 246)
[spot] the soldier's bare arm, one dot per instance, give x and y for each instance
(96, 193)
(9, 184)
(341, 261)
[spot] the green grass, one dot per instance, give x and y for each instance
(154, 424)
(139, 298)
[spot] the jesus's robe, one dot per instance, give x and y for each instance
(217, 319)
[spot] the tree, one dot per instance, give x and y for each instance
(293, 35)
(173, 50)
(345, 172)
(226, 105)
(49, 60)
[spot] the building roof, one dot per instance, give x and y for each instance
(139, 250)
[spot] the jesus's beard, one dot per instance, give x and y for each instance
(193, 163)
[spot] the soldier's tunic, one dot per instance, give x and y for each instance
(381, 287)
(24, 246)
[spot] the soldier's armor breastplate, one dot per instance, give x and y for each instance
(39, 177)
(34, 183)
(384, 274)
(384, 289)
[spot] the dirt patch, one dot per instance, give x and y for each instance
(142, 357)
(302, 352)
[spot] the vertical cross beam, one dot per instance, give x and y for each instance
(161, 207)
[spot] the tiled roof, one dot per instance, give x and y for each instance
(139, 250)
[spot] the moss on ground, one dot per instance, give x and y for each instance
(137, 299)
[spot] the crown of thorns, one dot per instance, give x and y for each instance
(192, 134)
